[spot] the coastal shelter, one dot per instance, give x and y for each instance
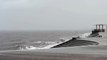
(101, 27)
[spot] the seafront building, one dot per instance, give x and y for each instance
(101, 27)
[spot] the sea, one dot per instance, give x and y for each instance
(27, 40)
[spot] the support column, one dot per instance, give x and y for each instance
(96, 27)
(102, 27)
(99, 26)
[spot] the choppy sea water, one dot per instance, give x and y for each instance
(19, 40)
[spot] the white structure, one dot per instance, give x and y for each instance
(101, 27)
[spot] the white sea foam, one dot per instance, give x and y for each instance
(85, 35)
(48, 46)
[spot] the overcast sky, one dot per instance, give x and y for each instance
(51, 14)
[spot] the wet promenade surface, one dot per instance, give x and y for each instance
(90, 52)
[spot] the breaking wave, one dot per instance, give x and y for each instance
(85, 35)
(41, 45)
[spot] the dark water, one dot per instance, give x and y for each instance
(13, 40)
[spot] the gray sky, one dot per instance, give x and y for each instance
(51, 14)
